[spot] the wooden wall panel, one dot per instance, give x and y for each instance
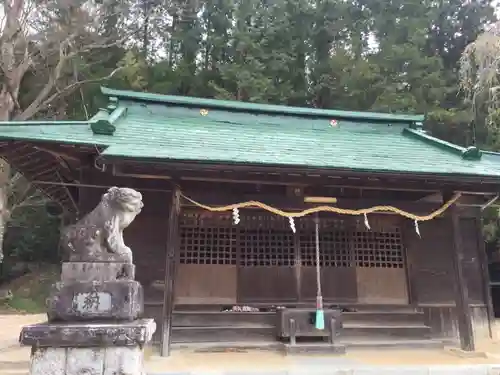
(266, 284)
(472, 260)
(338, 284)
(382, 285)
(430, 262)
(205, 284)
(147, 237)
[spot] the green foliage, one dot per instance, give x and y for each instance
(398, 56)
(454, 125)
(134, 71)
(491, 230)
(30, 292)
(32, 235)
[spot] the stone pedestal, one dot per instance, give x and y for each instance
(94, 313)
(86, 361)
(94, 323)
(89, 300)
(88, 348)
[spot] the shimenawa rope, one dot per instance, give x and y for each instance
(312, 210)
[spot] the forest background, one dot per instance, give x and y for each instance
(436, 57)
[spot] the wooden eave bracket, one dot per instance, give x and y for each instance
(469, 153)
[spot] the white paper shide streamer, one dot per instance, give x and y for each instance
(367, 224)
(236, 216)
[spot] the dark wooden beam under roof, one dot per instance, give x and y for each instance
(304, 177)
(37, 164)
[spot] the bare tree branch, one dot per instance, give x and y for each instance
(37, 106)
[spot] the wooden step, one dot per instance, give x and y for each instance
(386, 330)
(221, 319)
(272, 344)
(382, 317)
(236, 346)
(222, 334)
(380, 308)
(378, 343)
(251, 332)
(195, 319)
(312, 304)
(388, 324)
(314, 348)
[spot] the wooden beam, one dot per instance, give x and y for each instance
(170, 270)
(58, 154)
(462, 310)
(296, 175)
(93, 176)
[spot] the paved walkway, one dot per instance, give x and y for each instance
(386, 362)
(371, 370)
(14, 360)
(402, 370)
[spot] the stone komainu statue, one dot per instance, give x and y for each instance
(98, 236)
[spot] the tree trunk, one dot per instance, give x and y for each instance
(6, 108)
(4, 208)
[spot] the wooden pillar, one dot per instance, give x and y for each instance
(170, 268)
(462, 310)
(485, 273)
(297, 266)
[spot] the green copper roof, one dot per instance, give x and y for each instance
(255, 108)
(151, 126)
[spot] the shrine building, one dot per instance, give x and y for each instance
(242, 200)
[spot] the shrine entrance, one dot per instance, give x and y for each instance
(260, 260)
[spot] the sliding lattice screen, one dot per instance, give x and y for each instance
(261, 240)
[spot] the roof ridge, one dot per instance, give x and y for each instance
(255, 107)
(467, 153)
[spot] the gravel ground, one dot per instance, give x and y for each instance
(14, 360)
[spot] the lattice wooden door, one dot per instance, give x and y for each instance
(266, 268)
(380, 261)
(207, 260)
(338, 272)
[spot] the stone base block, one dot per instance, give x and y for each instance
(88, 361)
(89, 256)
(60, 335)
(113, 300)
(96, 271)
